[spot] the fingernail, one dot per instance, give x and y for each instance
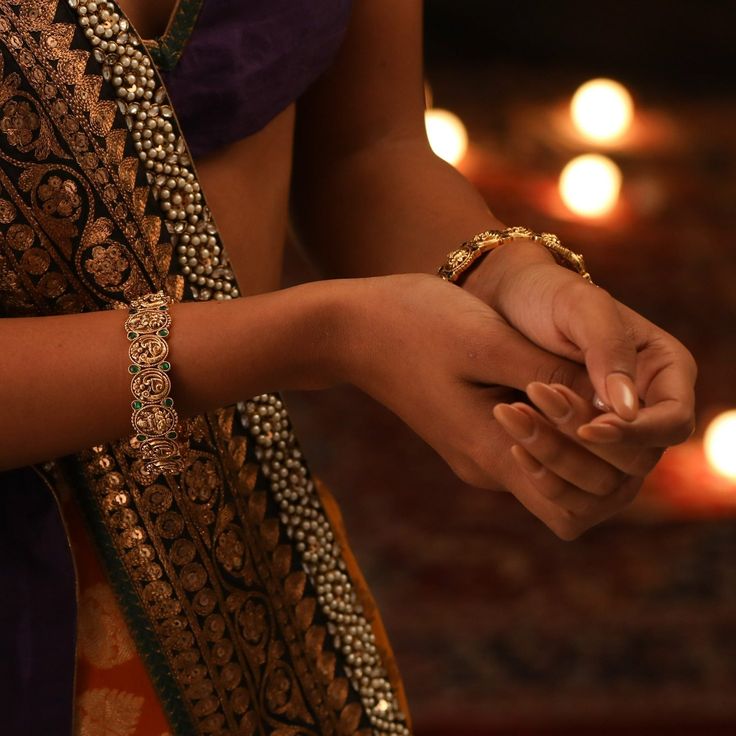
(526, 462)
(604, 433)
(551, 402)
(622, 392)
(599, 404)
(515, 422)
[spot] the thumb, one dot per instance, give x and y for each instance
(589, 318)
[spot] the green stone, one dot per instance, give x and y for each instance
(163, 307)
(165, 366)
(134, 368)
(172, 435)
(168, 402)
(137, 404)
(164, 332)
(141, 437)
(132, 335)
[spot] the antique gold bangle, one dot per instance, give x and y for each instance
(462, 258)
(154, 418)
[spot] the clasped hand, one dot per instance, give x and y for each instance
(455, 363)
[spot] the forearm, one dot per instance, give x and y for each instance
(66, 385)
(393, 207)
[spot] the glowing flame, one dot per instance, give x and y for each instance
(720, 444)
(590, 184)
(447, 135)
(602, 110)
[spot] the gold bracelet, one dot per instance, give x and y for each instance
(462, 258)
(154, 419)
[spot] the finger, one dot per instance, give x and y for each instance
(669, 415)
(557, 453)
(510, 359)
(565, 508)
(568, 411)
(589, 318)
(561, 492)
(663, 425)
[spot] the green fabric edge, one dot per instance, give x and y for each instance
(145, 638)
(169, 47)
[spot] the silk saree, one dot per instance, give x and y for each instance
(224, 599)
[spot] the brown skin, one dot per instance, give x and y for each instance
(369, 198)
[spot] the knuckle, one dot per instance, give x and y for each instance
(567, 527)
(607, 482)
(586, 509)
(468, 473)
(686, 357)
(630, 491)
(472, 470)
(683, 425)
(551, 490)
(564, 373)
(621, 345)
(644, 462)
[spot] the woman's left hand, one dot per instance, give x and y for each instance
(645, 375)
(581, 463)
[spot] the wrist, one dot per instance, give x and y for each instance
(318, 334)
(498, 269)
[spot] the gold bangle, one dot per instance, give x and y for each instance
(154, 418)
(462, 258)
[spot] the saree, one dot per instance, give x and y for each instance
(234, 577)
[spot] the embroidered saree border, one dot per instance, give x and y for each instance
(168, 48)
(77, 189)
(229, 574)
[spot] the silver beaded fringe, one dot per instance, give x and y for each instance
(144, 103)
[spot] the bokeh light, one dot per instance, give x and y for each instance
(590, 185)
(602, 110)
(447, 135)
(720, 444)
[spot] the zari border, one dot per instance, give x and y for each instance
(132, 521)
(168, 48)
(146, 640)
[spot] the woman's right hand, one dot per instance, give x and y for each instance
(442, 359)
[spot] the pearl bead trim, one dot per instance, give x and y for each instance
(303, 516)
(143, 101)
(202, 261)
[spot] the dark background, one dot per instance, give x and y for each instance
(678, 47)
(499, 628)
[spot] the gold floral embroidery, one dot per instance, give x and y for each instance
(106, 712)
(107, 264)
(7, 211)
(24, 127)
(103, 635)
(19, 122)
(20, 237)
(59, 197)
(49, 101)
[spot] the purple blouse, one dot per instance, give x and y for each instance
(247, 60)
